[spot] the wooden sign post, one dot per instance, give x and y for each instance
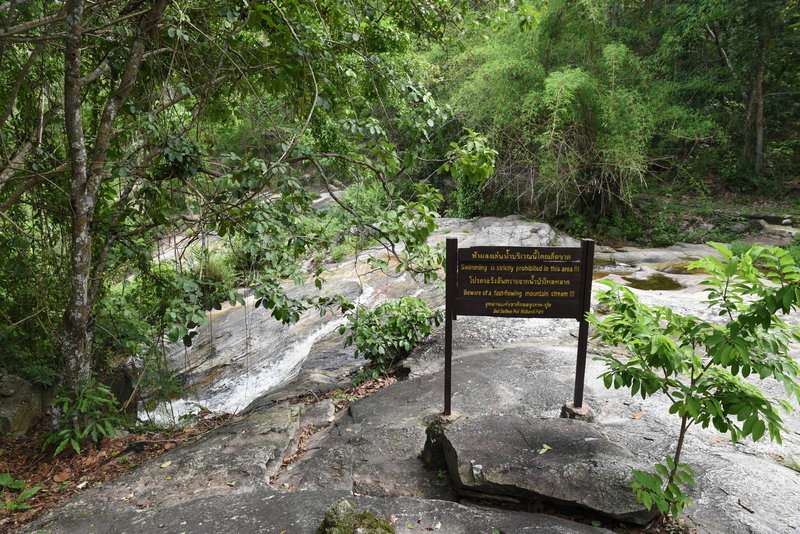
(533, 282)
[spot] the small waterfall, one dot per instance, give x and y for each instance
(232, 394)
(253, 372)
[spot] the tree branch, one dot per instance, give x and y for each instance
(724, 57)
(19, 82)
(147, 26)
(32, 24)
(302, 130)
(104, 66)
(19, 191)
(184, 96)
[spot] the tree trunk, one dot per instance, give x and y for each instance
(86, 178)
(77, 334)
(758, 93)
(753, 149)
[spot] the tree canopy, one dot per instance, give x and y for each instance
(125, 121)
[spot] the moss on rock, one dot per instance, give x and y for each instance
(343, 518)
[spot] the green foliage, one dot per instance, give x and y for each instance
(794, 249)
(88, 412)
(568, 108)
(584, 100)
(189, 139)
(740, 248)
(389, 331)
(410, 222)
(664, 493)
(707, 370)
(471, 163)
(32, 290)
(367, 373)
(652, 222)
(11, 501)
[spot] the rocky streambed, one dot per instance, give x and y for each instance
(511, 377)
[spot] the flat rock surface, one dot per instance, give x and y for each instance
(558, 460)
(301, 513)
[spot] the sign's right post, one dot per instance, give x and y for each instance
(587, 266)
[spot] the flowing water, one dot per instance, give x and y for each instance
(243, 353)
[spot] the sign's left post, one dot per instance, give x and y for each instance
(451, 276)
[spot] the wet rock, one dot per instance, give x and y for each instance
(677, 253)
(771, 218)
(653, 282)
(739, 228)
(781, 231)
(563, 461)
(20, 404)
(506, 367)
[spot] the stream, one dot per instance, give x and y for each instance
(243, 353)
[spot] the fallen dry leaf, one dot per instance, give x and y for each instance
(637, 415)
(62, 476)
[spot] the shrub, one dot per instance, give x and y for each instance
(9, 499)
(389, 331)
(88, 412)
(702, 367)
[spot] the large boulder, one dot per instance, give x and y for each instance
(563, 461)
(20, 404)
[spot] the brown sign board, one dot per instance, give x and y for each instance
(541, 282)
(530, 282)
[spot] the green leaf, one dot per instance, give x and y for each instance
(662, 470)
(27, 494)
(758, 430)
(61, 446)
(671, 463)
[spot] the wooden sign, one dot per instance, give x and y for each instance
(532, 282)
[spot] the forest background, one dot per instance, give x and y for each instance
(127, 122)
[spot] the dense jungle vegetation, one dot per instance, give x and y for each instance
(127, 122)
